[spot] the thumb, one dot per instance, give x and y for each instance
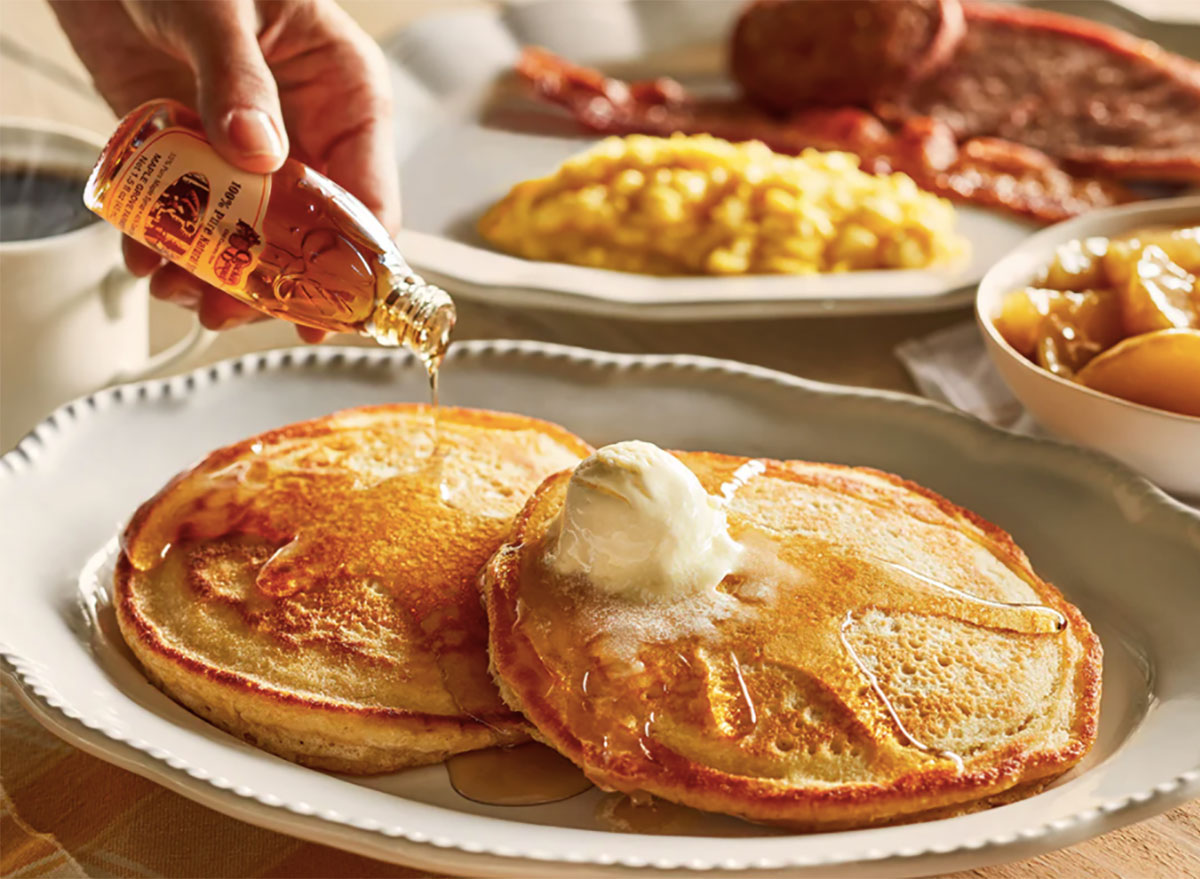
(237, 96)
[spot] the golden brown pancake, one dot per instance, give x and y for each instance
(866, 663)
(312, 589)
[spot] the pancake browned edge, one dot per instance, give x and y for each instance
(751, 702)
(359, 645)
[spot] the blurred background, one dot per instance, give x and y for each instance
(41, 78)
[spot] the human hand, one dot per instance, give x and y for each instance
(262, 75)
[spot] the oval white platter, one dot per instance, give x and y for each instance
(1127, 554)
(468, 133)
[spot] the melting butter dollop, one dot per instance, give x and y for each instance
(638, 524)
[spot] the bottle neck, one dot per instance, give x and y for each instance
(414, 314)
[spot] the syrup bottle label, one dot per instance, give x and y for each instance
(177, 196)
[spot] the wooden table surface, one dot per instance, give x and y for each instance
(843, 350)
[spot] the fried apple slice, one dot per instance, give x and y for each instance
(1159, 369)
(1078, 265)
(1078, 324)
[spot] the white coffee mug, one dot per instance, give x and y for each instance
(72, 319)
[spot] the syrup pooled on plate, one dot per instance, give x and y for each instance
(529, 774)
(620, 813)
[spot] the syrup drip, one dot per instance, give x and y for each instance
(529, 774)
(737, 670)
(432, 368)
(1059, 624)
(740, 477)
(1060, 619)
(891, 709)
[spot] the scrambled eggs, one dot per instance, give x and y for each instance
(701, 205)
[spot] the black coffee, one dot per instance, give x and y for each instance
(39, 202)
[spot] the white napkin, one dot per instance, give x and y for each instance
(952, 366)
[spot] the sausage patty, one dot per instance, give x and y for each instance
(789, 54)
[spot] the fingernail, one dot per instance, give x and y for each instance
(253, 133)
(185, 299)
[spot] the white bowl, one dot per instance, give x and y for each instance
(1162, 445)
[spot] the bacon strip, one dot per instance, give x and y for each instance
(982, 171)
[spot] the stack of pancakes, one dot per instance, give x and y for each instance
(882, 655)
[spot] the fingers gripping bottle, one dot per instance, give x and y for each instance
(293, 244)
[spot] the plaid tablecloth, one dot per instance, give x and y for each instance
(65, 813)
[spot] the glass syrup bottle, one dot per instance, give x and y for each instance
(292, 244)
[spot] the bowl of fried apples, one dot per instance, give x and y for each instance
(1094, 324)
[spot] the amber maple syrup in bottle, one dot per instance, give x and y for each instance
(292, 244)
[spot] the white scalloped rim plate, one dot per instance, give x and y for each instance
(1122, 550)
(467, 134)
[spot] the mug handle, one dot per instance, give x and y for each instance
(114, 289)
